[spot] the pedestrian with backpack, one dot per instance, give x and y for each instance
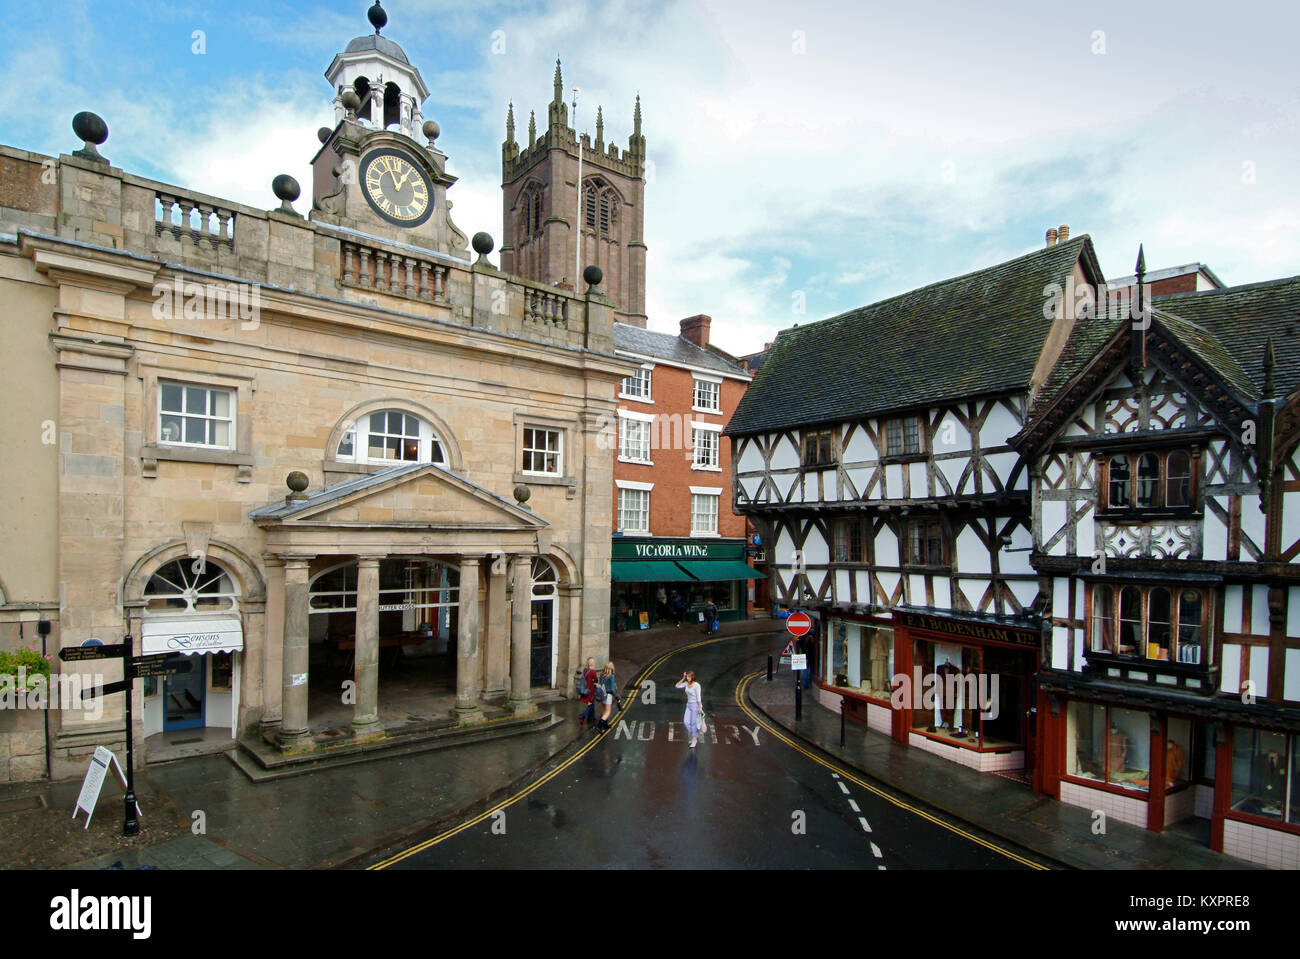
(607, 693)
(694, 717)
(586, 688)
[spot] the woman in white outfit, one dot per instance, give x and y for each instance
(694, 706)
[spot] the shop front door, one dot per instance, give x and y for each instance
(542, 657)
(183, 695)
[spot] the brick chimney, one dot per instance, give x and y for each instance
(696, 329)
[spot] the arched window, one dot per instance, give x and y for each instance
(361, 86)
(544, 579)
(530, 211)
(1103, 619)
(392, 105)
(1159, 620)
(1180, 479)
(187, 585)
(390, 436)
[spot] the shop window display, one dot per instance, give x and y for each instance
(1260, 766)
(862, 658)
(1178, 751)
(1109, 745)
(952, 710)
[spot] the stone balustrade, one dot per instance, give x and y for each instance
(396, 273)
(546, 306)
(187, 218)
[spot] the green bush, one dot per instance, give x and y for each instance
(36, 665)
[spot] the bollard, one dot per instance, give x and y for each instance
(841, 722)
(769, 669)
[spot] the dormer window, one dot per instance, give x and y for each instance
(390, 437)
(1154, 480)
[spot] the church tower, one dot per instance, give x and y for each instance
(541, 209)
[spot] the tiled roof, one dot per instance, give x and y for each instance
(672, 348)
(971, 335)
(1225, 329)
(1242, 318)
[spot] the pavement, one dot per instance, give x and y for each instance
(216, 818)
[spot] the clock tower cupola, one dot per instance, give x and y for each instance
(373, 173)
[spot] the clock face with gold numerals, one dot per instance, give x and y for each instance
(396, 188)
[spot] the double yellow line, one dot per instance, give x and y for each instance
(741, 689)
(528, 790)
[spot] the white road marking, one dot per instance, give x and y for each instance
(835, 775)
(844, 788)
(854, 806)
(875, 851)
(865, 825)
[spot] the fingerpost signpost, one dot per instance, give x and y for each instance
(133, 668)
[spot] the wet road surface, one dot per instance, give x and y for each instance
(639, 797)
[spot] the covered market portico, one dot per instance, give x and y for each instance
(431, 555)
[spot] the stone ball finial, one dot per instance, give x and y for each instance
(351, 103)
(92, 130)
(323, 134)
(483, 243)
(377, 17)
(593, 276)
(522, 494)
(431, 130)
(286, 190)
(297, 481)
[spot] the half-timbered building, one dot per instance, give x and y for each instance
(1164, 458)
(872, 453)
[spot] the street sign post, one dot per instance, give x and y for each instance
(798, 623)
(143, 667)
(78, 654)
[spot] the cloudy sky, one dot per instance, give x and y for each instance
(822, 155)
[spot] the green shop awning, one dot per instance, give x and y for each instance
(626, 571)
(717, 570)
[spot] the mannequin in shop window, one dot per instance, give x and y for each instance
(946, 702)
(879, 653)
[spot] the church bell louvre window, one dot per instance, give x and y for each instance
(600, 207)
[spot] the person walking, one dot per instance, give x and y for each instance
(710, 616)
(694, 705)
(609, 685)
(677, 604)
(590, 678)
(661, 603)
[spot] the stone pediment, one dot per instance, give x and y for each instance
(416, 496)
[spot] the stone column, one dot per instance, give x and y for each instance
(273, 646)
(365, 712)
(521, 697)
(467, 665)
(496, 638)
(293, 726)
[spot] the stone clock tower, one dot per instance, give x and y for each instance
(372, 174)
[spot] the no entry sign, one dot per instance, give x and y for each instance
(798, 623)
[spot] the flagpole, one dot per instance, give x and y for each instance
(577, 233)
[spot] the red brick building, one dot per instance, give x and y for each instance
(673, 521)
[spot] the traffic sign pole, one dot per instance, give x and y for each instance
(131, 824)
